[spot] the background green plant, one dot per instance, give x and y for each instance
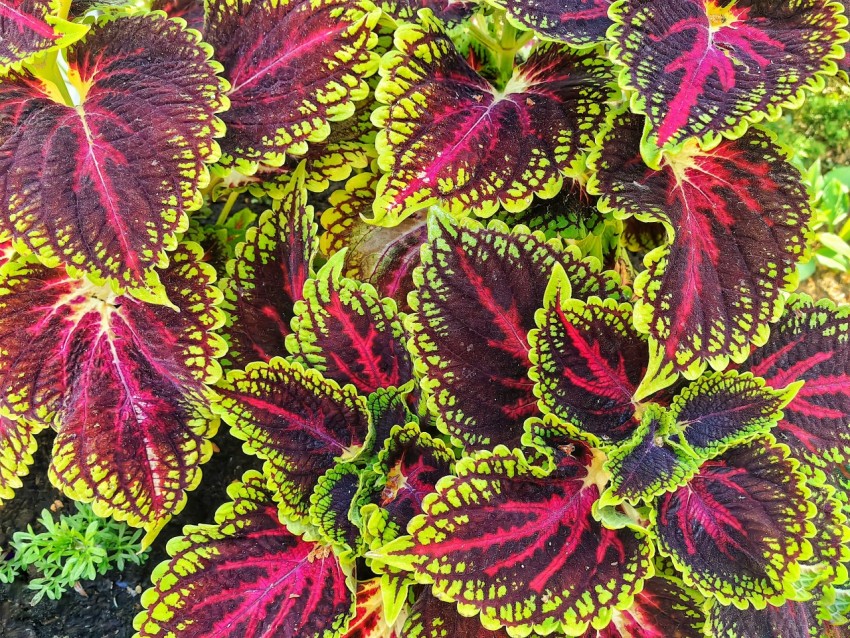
(72, 547)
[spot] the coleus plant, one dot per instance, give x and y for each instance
(597, 414)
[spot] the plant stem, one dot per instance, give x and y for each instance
(228, 206)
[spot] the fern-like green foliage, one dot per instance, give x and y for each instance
(68, 549)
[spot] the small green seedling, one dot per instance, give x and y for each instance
(75, 547)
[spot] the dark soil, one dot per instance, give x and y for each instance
(112, 601)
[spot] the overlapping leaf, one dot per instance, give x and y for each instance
(477, 293)
(830, 550)
(665, 608)
(297, 420)
(519, 546)
(408, 468)
(646, 466)
(267, 277)
(343, 329)
(330, 505)
(705, 69)
(293, 66)
(579, 23)
(32, 27)
(736, 220)
(739, 528)
(432, 618)
(122, 381)
(103, 186)
(811, 343)
(247, 576)
(384, 257)
(791, 620)
(192, 11)
(17, 444)
(449, 11)
(588, 362)
(705, 419)
(388, 407)
(447, 135)
(368, 620)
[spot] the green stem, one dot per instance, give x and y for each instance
(228, 206)
(47, 68)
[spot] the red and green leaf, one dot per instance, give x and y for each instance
(192, 11)
(294, 66)
(477, 292)
(665, 608)
(17, 444)
(343, 329)
(736, 222)
(330, 505)
(267, 277)
(369, 620)
(29, 28)
(579, 23)
(588, 362)
(408, 468)
(790, 620)
(109, 182)
(124, 382)
(739, 528)
(449, 11)
(384, 257)
(449, 136)
(389, 407)
(430, 617)
(706, 68)
(520, 547)
(811, 343)
(299, 422)
(247, 576)
(831, 551)
(724, 409)
(645, 466)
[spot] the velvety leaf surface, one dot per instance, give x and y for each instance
(739, 527)
(408, 469)
(447, 135)
(368, 621)
(579, 23)
(477, 293)
(811, 343)
(383, 256)
(588, 361)
(665, 608)
(736, 219)
(105, 185)
(791, 620)
(432, 618)
(520, 547)
(293, 67)
(703, 68)
(297, 420)
(722, 409)
(330, 504)
(247, 576)
(17, 444)
(644, 467)
(267, 277)
(29, 28)
(343, 329)
(122, 381)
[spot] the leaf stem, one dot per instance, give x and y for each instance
(228, 206)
